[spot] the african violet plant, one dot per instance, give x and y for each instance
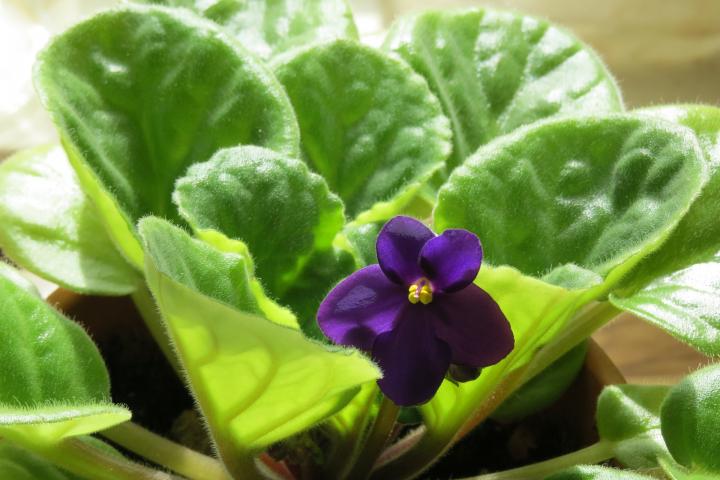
(248, 173)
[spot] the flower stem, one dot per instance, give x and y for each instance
(148, 311)
(162, 451)
(88, 461)
(593, 454)
(377, 438)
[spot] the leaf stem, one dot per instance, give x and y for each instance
(591, 455)
(379, 435)
(148, 311)
(88, 461)
(580, 328)
(162, 451)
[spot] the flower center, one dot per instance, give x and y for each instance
(421, 291)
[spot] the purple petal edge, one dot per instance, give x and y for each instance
(360, 308)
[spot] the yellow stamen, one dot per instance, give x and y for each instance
(420, 291)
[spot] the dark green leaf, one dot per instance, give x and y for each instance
(598, 193)
(368, 124)
(141, 93)
(691, 420)
(50, 227)
(274, 27)
(496, 71)
(272, 203)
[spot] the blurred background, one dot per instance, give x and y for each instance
(660, 51)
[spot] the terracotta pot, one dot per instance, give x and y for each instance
(142, 379)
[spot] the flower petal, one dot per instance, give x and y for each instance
(398, 248)
(414, 361)
(361, 307)
(474, 327)
(452, 260)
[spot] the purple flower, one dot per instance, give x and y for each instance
(418, 311)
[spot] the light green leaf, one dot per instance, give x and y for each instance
(628, 416)
(141, 93)
(10, 273)
(536, 312)
(51, 228)
(496, 71)
(691, 420)
(54, 382)
(256, 382)
(361, 240)
(598, 193)
(274, 27)
(271, 203)
(594, 472)
(223, 276)
(625, 411)
(368, 124)
(677, 287)
(543, 390)
(19, 464)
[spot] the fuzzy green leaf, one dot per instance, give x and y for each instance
(597, 193)
(691, 422)
(496, 71)
(368, 124)
(593, 472)
(50, 227)
(678, 287)
(19, 464)
(274, 27)
(256, 382)
(141, 93)
(53, 380)
(273, 204)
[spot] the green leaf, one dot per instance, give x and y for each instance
(141, 93)
(543, 390)
(598, 193)
(361, 240)
(54, 382)
(271, 203)
(496, 71)
(677, 287)
(629, 417)
(14, 276)
(256, 382)
(51, 228)
(625, 411)
(323, 270)
(222, 276)
(691, 420)
(594, 472)
(677, 472)
(275, 27)
(536, 312)
(19, 464)
(368, 124)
